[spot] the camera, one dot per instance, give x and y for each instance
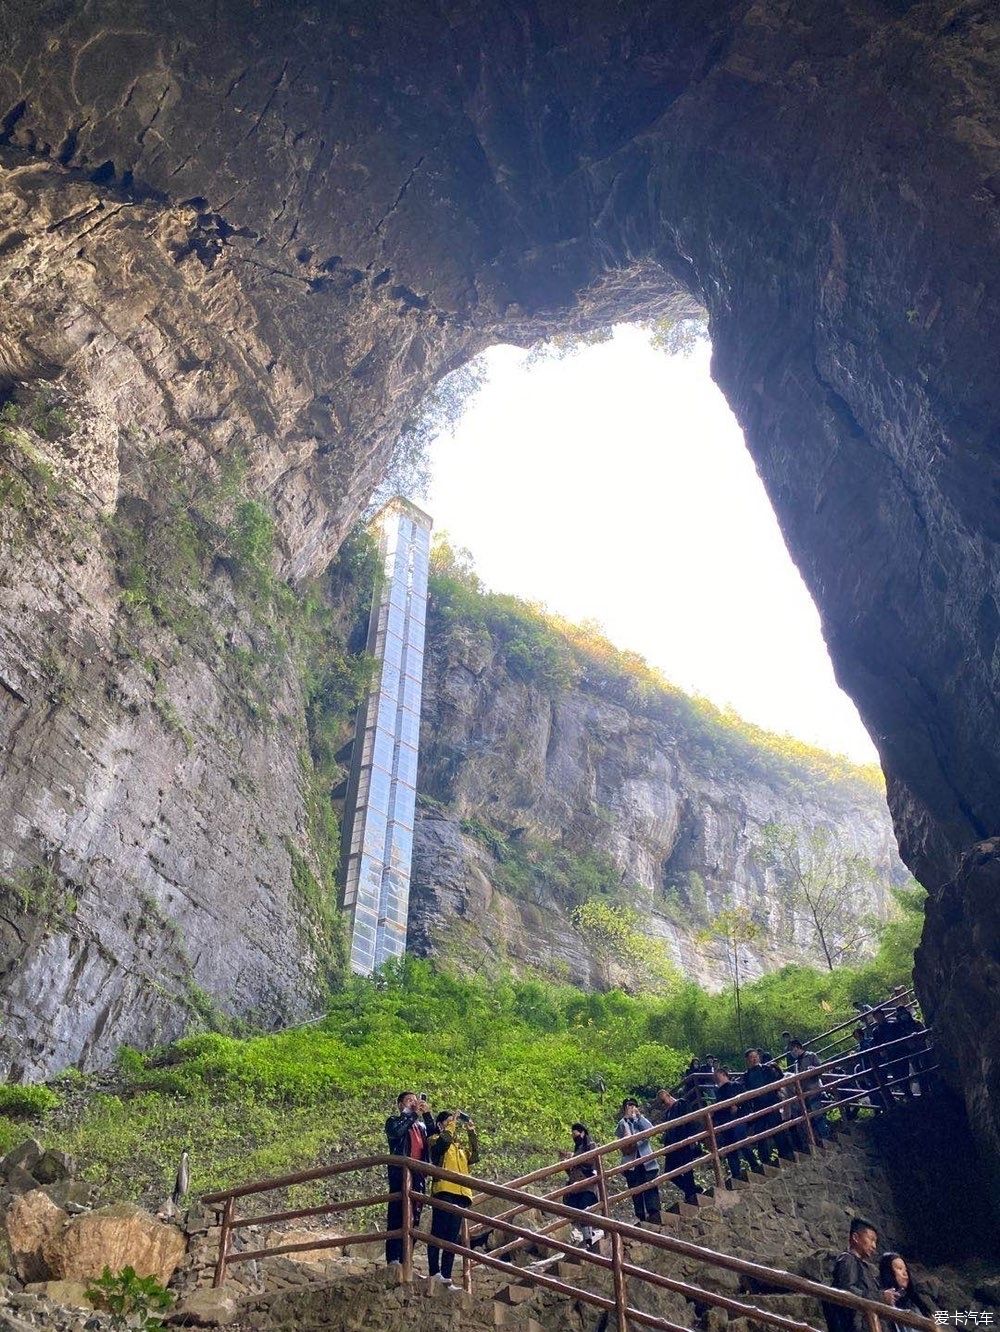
(425, 1098)
(463, 1118)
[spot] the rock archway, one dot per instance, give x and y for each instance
(270, 228)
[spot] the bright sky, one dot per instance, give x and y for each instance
(614, 485)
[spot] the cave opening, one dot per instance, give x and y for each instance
(617, 467)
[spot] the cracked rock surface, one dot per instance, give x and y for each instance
(679, 818)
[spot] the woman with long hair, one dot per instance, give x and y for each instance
(585, 1175)
(900, 1290)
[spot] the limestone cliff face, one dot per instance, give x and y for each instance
(267, 229)
(682, 828)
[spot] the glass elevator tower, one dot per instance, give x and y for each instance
(382, 789)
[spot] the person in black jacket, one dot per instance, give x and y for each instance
(729, 1139)
(761, 1076)
(406, 1132)
(854, 1271)
(674, 1107)
(584, 1176)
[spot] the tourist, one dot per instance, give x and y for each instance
(854, 1078)
(692, 1081)
(584, 1174)
(450, 1152)
(729, 1139)
(675, 1107)
(642, 1170)
(880, 1030)
(853, 1271)
(800, 1060)
(406, 1132)
(758, 1076)
(908, 1051)
(900, 1290)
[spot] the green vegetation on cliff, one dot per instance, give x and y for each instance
(526, 1057)
(554, 654)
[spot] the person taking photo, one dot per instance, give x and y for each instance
(406, 1132)
(642, 1169)
(454, 1145)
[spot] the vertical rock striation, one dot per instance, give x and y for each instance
(655, 803)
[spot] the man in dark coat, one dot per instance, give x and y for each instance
(671, 1108)
(729, 1139)
(855, 1272)
(760, 1076)
(406, 1132)
(800, 1061)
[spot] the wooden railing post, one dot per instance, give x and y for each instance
(713, 1147)
(407, 1201)
(617, 1274)
(227, 1223)
(466, 1259)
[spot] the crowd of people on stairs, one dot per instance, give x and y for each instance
(767, 1123)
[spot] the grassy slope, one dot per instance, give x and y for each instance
(525, 1058)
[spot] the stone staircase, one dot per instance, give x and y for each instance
(792, 1216)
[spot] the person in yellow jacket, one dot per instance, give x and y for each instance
(451, 1150)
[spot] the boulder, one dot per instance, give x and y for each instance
(20, 1180)
(311, 1257)
(52, 1166)
(121, 1235)
(33, 1222)
(205, 1308)
(70, 1193)
(25, 1156)
(70, 1294)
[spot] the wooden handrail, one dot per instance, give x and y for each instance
(790, 1083)
(669, 1243)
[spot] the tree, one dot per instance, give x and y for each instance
(612, 934)
(454, 561)
(829, 884)
(679, 334)
(731, 930)
(408, 469)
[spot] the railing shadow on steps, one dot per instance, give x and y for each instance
(879, 1092)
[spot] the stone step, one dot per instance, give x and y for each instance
(568, 1269)
(437, 1290)
(514, 1294)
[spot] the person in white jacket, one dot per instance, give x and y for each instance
(642, 1169)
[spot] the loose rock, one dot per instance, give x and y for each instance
(33, 1221)
(121, 1235)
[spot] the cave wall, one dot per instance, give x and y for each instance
(273, 227)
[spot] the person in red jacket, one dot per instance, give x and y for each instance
(406, 1132)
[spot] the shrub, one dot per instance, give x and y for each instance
(133, 1301)
(27, 1101)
